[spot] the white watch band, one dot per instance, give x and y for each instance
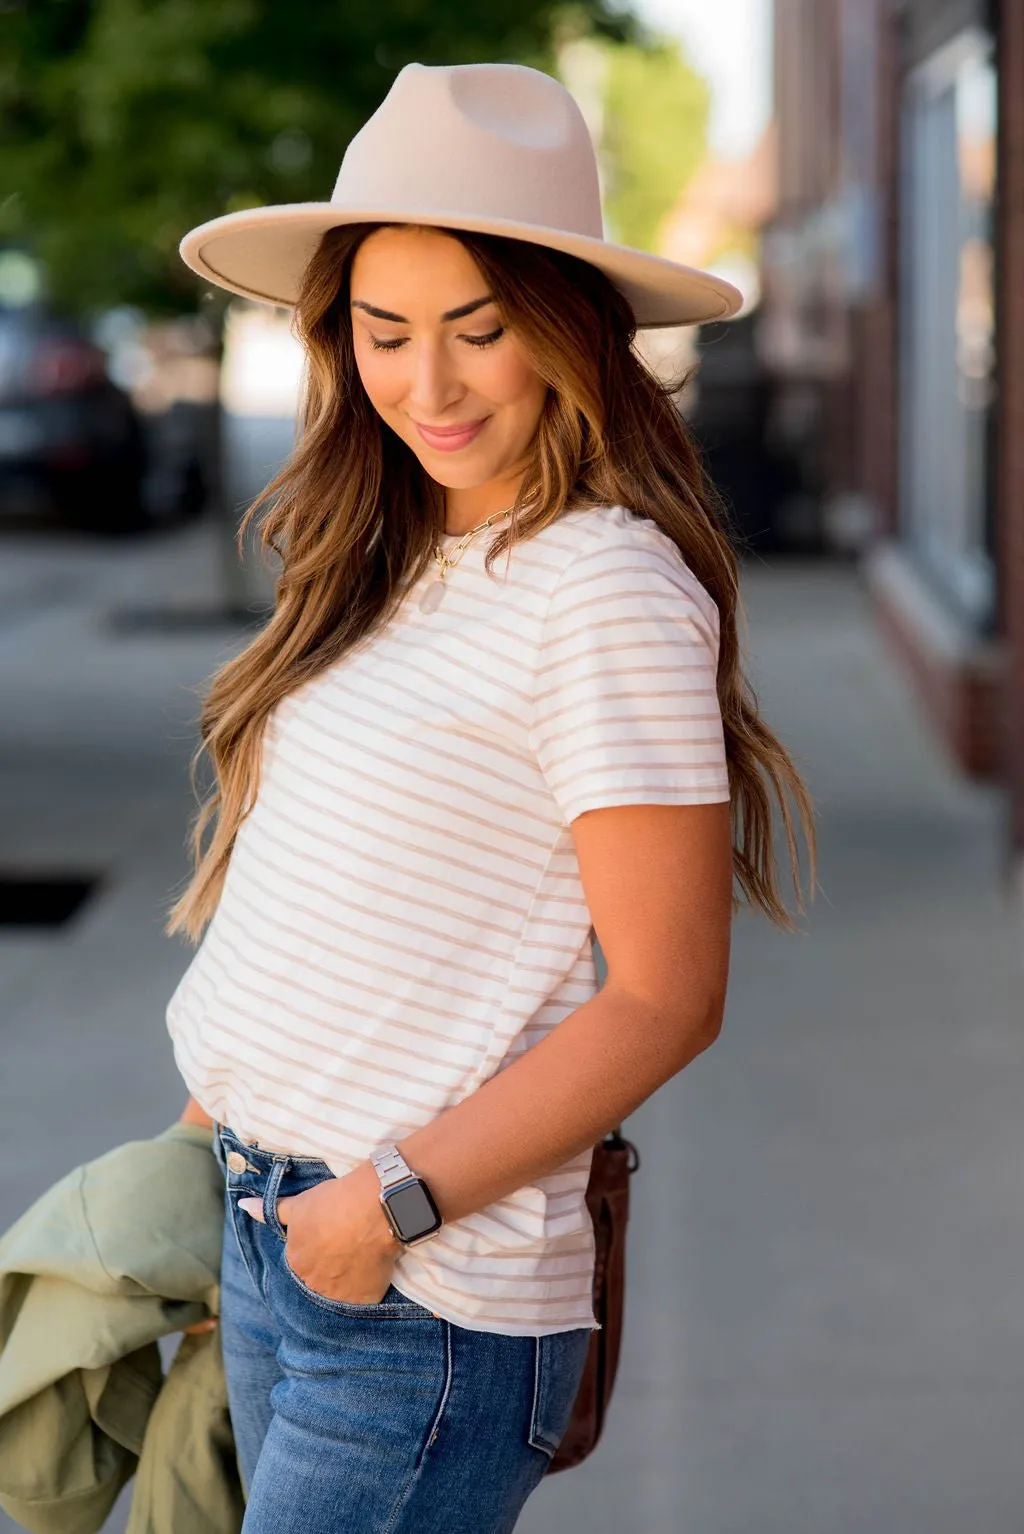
(391, 1166)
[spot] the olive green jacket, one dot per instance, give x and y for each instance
(120, 1252)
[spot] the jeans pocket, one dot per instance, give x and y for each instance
(558, 1368)
(391, 1303)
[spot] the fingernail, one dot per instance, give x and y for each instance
(253, 1206)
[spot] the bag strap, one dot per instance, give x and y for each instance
(601, 965)
(599, 960)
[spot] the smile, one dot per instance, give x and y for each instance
(448, 439)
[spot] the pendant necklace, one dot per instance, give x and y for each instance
(433, 596)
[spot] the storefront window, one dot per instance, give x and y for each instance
(947, 350)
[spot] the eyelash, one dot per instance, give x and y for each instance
(478, 341)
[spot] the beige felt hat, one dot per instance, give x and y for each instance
(490, 148)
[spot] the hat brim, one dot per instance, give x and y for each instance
(262, 254)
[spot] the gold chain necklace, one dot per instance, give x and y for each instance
(433, 596)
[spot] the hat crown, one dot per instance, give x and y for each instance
(492, 141)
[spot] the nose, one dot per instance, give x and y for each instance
(433, 386)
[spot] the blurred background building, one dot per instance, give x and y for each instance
(893, 336)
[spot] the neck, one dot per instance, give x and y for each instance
(468, 508)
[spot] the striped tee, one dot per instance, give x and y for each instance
(402, 914)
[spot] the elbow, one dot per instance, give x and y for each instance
(678, 1027)
(713, 1023)
(702, 1029)
(685, 1031)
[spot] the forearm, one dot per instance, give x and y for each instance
(597, 1066)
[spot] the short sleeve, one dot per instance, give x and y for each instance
(625, 707)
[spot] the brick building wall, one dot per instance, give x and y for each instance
(1010, 453)
(842, 179)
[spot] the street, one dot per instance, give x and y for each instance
(824, 1330)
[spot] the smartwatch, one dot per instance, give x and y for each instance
(405, 1198)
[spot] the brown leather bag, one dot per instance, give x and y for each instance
(615, 1159)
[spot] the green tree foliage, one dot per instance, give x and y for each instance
(655, 134)
(123, 123)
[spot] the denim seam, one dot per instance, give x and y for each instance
(270, 1196)
(433, 1428)
(241, 1252)
(536, 1437)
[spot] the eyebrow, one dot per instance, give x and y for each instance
(400, 319)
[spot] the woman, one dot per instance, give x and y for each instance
(444, 758)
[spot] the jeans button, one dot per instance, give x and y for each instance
(236, 1161)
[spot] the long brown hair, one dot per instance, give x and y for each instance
(353, 518)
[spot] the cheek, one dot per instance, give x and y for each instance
(382, 376)
(508, 379)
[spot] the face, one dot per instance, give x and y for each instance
(437, 362)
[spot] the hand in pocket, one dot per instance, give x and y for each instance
(339, 1242)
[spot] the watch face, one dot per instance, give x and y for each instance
(414, 1211)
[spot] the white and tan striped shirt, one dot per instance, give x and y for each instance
(402, 914)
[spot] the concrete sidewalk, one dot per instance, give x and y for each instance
(824, 1332)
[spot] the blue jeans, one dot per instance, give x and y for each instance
(373, 1419)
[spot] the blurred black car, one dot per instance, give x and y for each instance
(757, 469)
(69, 437)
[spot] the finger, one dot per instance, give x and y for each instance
(253, 1207)
(200, 1327)
(282, 1210)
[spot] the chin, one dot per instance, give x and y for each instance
(451, 481)
(462, 476)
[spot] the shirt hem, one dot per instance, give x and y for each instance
(602, 799)
(478, 1324)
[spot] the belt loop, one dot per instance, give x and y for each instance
(270, 1193)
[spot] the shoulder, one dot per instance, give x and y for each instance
(614, 552)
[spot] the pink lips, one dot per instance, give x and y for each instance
(448, 439)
